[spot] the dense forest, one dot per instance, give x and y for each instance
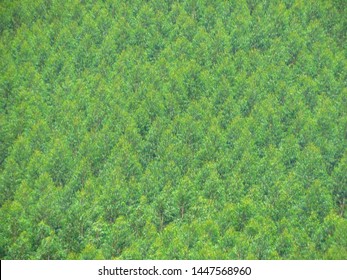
(135, 129)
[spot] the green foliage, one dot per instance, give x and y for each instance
(173, 129)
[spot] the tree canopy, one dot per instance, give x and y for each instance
(173, 129)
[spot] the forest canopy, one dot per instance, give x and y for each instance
(155, 129)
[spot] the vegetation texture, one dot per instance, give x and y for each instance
(173, 129)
